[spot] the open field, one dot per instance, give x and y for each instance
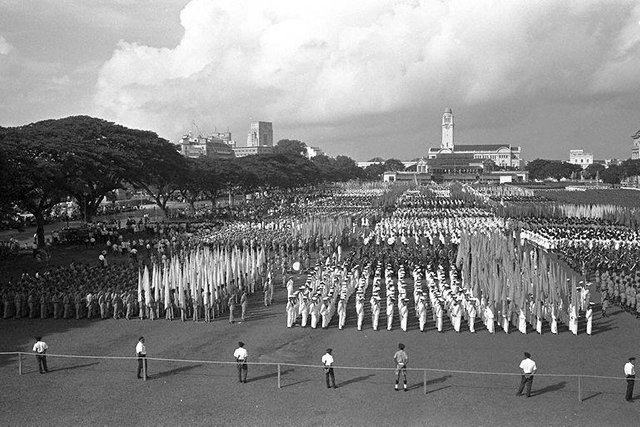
(106, 392)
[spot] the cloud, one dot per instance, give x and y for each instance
(331, 63)
(5, 47)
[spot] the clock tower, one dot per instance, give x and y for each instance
(447, 129)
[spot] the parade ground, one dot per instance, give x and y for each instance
(80, 391)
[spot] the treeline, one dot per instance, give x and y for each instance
(542, 169)
(85, 159)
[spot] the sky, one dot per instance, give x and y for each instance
(360, 78)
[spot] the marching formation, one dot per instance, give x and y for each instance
(435, 257)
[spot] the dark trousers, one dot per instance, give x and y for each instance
(526, 380)
(142, 362)
(328, 373)
(242, 372)
(42, 364)
(630, 383)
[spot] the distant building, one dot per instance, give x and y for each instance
(635, 151)
(250, 151)
(261, 135)
(364, 165)
(503, 155)
(209, 146)
(313, 152)
(579, 157)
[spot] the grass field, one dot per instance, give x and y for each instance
(106, 392)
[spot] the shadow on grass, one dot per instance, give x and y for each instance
(67, 368)
(296, 383)
(550, 388)
(355, 380)
(267, 376)
(438, 389)
(592, 396)
(173, 371)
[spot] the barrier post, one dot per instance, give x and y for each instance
(144, 368)
(279, 386)
(19, 363)
(580, 388)
(424, 381)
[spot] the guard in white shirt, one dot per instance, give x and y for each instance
(40, 348)
(241, 356)
(327, 361)
(141, 352)
(630, 374)
(529, 368)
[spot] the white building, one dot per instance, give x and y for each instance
(313, 152)
(503, 155)
(579, 157)
(635, 151)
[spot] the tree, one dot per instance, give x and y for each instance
(374, 172)
(291, 146)
(36, 171)
(160, 170)
(393, 165)
(347, 168)
(631, 167)
(593, 171)
(543, 169)
(613, 174)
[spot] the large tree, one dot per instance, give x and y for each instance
(543, 169)
(290, 146)
(38, 165)
(160, 170)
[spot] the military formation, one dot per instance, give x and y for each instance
(372, 256)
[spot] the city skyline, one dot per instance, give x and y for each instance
(360, 79)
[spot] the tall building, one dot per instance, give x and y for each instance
(635, 151)
(503, 155)
(261, 135)
(447, 129)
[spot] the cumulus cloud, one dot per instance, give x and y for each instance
(5, 47)
(315, 63)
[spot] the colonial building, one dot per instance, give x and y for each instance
(503, 155)
(250, 151)
(579, 157)
(206, 146)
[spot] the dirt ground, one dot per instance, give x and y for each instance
(106, 392)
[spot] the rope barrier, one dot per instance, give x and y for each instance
(302, 365)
